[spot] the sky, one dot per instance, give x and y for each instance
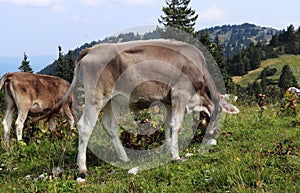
(38, 27)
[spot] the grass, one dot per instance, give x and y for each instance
(278, 63)
(252, 155)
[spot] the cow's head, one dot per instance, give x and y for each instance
(211, 109)
(200, 103)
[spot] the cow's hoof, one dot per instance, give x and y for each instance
(126, 160)
(82, 176)
(177, 158)
(80, 180)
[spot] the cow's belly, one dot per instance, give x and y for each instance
(148, 92)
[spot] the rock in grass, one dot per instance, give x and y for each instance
(187, 155)
(80, 180)
(209, 179)
(27, 177)
(57, 171)
(134, 170)
(212, 142)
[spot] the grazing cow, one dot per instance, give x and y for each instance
(33, 95)
(139, 73)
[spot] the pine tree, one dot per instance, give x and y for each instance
(217, 53)
(205, 39)
(69, 71)
(241, 68)
(255, 55)
(25, 67)
(287, 79)
(298, 40)
(179, 15)
(288, 39)
(263, 78)
(60, 64)
(274, 41)
(245, 60)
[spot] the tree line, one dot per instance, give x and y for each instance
(286, 42)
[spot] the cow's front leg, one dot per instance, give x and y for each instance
(167, 126)
(176, 123)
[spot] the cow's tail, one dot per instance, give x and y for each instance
(68, 93)
(6, 77)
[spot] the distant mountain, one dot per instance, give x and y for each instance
(232, 37)
(236, 37)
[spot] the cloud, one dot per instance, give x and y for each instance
(212, 14)
(94, 3)
(283, 23)
(60, 8)
(137, 2)
(78, 19)
(34, 3)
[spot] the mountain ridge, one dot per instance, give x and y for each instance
(236, 37)
(233, 38)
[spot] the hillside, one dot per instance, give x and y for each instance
(236, 37)
(233, 39)
(278, 63)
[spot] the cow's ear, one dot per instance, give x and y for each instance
(227, 107)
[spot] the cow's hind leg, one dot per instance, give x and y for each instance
(85, 127)
(22, 115)
(8, 118)
(52, 124)
(110, 123)
(69, 114)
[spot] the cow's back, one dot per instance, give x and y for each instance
(108, 66)
(37, 92)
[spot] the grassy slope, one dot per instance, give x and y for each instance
(278, 63)
(246, 159)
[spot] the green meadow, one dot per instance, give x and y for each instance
(253, 154)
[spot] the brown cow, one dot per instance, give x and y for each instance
(33, 95)
(137, 74)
